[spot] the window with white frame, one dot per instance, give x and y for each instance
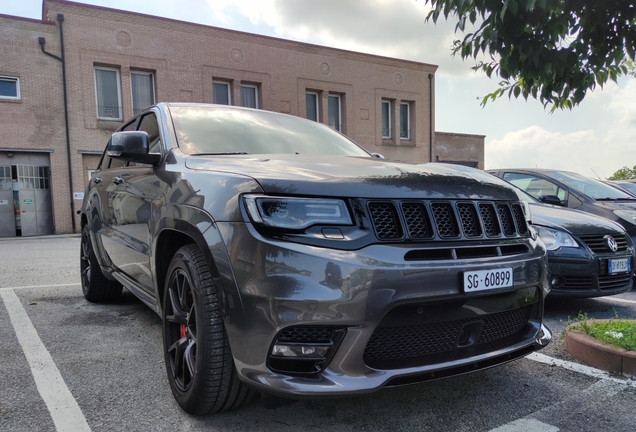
(249, 96)
(142, 85)
(108, 93)
(9, 87)
(334, 118)
(312, 106)
(386, 119)
(221, 93)
(405, 121)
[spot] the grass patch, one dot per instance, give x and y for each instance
(616, 331)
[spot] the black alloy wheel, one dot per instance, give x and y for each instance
(95, 286)
(198, 358)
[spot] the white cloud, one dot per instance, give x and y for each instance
(393, 28)
(603, 150)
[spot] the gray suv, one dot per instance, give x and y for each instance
(286, 260)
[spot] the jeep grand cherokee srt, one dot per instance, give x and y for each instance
(284, 259)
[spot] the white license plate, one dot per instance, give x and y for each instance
(483, 280)
(621, 265)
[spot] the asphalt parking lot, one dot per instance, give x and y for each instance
(70, 365)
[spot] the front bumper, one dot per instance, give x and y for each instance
(575, 272)
(271, 285)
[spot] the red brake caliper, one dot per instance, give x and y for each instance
(182, 330)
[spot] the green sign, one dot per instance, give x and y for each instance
(27, 201)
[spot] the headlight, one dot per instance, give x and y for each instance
(296, 213)
(555, 239)
(628, 215)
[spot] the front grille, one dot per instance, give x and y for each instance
(610, 282)
(412, 345)
(385, 220)
(417, 220)
(505, 217)
(576, 283)
(446, 220)
(598, 244)
(489, 217)
(469, 219)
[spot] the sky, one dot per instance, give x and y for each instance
(595, 139)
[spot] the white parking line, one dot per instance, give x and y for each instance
(583, 369)
(64, 410)
(526, 425)
(617, 299)
(39, 286)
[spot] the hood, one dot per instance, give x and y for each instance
(345, 176)
(573, 221)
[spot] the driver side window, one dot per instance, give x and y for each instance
(535, 186)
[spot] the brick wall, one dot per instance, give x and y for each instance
(185, 59)
(459, 148)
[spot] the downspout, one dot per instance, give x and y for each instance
(430, 94)
(42, 41)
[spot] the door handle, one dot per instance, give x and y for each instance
(118, 180)
(97, 179)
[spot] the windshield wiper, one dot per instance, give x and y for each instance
(616, 199)
(219, 154)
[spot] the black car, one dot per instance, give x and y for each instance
(628, 186)
(569, 189)
(285, 259)
(588, 256)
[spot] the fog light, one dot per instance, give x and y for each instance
(300, 350)
(557, 281)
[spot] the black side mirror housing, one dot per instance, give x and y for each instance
(551, 199)
(132, 146)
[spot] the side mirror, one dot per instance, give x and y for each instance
(377, 155)
(132, 146)
(550, 199)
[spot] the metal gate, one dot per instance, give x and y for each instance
(7, 209)
(34, 197)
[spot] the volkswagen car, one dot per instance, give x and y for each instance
(286, 260)
(588, 256)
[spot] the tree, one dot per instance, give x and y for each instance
(552, 50)
(624, 173)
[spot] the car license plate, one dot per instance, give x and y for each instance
(483, 280)
(621, 265)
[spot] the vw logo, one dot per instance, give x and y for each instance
(611, 243)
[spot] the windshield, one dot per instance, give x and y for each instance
(590, 187)
(224, 130)
(631, 187)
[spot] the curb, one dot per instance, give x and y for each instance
(599, 354)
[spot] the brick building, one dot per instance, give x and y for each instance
(118, 62)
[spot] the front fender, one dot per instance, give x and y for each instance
(177, 221)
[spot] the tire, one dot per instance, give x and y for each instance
(95, 286)
(198, 358)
